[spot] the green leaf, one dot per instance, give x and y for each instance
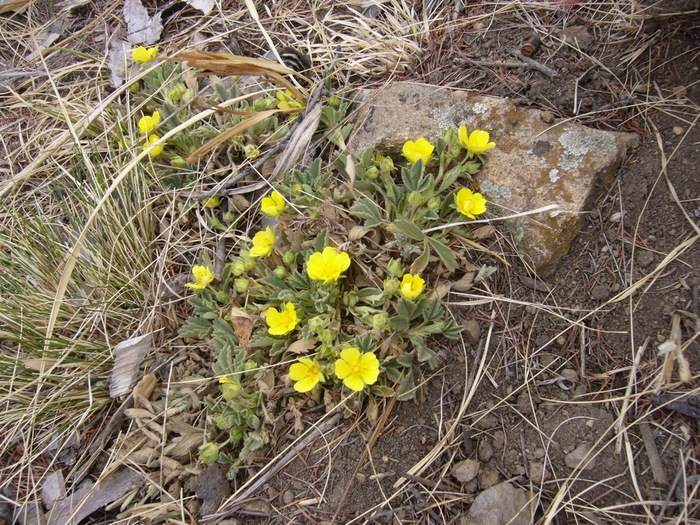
(321, 239)
(485, 272)
(196, 327)
(406, 309)
(444, 252)
(405, 360)
(407, 228)
(421, 263)
(368, 210)
(407, 387)
(399, 324)
(424, 354)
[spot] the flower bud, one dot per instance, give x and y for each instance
(289, 258)
(230, 216)
(415, 199)
(212, 202)
(391, 286)
(249, 365)
(372, 173)
(237, 268)
(230, 388)
(241, 284)
(334, 101)
(350, 299)
(386, 165)
(326, 337)
(259, 104)
(434, 203)
(251, 151)
(297, 189)
(178, 162)
(248, 262)
(209, 452)
(222, 296)
(380, 321)
(395, 268)
(235, 435)
(280, 272)
(175, 94)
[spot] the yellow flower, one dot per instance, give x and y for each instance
(420, 149)
(155, 150)
(229, 389)
(470, 204)
(476, 143)
(283, 322)
(273, 205)
(142, 55)
(286, 100)
(357, 369)
(412, 286)
(148, 123)
(327, 266)
(263, 242)
(212, 202)
(306, 373)
(202, 277)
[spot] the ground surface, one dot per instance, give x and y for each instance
(553, 366)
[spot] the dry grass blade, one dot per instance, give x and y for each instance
(226, 64)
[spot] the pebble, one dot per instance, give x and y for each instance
(499, 439)
(472, 330)
(541, 340)
(538, 473)
(465, 471)
(498, 505)
(600, 292)
(487, 422)
(570, 374)
(573, 458)
(487, 478)
(677, 130)
(561, 340)
(547, 117)
(645, 258)
(485, 450)
(288, 497)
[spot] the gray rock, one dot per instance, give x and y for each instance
(465, 470)
(573, 458)
(498, 505)
(534, 164)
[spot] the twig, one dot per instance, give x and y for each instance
(657, 467)
(526, 62)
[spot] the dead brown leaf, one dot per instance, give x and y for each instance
(301, 346)
(243, 324)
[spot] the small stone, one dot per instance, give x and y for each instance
(487, 422)
(538, 473)
(546, 360)
(288, 497)
(472, 330)
(498, 505)
(561, 340)
(573, 458)
(539, 453)
(677, 130)
(485, 450)
(645, 258)
(570, 374)
(600, 292)
(487, 478)
(499, 439)
(547, 117)
(541, 340)
(465, 471)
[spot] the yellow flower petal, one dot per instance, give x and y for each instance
(273, 205)
(418, 150)
(306, 373)
(202, 276)
(148, 123)
(357, 369)
(141, 55)
(281, 323)
(327, 266)
(476, 143)
(412, 286)
(155, 150)
(470, 204)
(263, 242)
